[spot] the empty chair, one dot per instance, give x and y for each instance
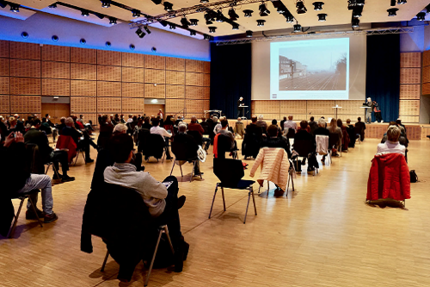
(179, 149)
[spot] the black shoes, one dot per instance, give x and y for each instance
(30, 214)
(57, 176)
(89, 160)
(181, 201)
(67, 178)
(50, 217)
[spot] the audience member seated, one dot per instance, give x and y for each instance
(160, 197)
(162, 132)
(351, 133)
(3, 129)
(321, 130)
(275, 123)
(83, 144)
(274, 140)
(62, 125)
(345, 136)
(228, 142)
(313, 125)
(16, 178)
(252, 141)
(392, 145)
(195, 126)
(183, 138)
(48, 154)
(399, 124)
(217, 124)
(146, 124)
(239, 128)
(282, 123)
(106, 129)
(290, 124)
(359, 128)
(261, 123)
(303, 134)
(334, 129)
(45, 127)
(403, 140)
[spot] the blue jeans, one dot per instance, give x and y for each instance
(43, 182)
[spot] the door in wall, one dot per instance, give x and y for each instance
(56, 111)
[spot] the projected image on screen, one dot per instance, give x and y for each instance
(311, 69)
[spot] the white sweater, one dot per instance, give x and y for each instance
(152, 191)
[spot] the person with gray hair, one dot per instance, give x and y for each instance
(191, 147)
(392, 145)
(290, 124)
(120, 129)
(261, 123)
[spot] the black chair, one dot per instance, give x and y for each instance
(230, 172)
(304, 148)
(251, 143)
(224, 145)
(180, 152)
(22, 197)
(142, 138)
(155, 146)
(197, 137)
(291, 133)
(334, 142)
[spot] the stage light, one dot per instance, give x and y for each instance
(290, 18)
(193, 33)
(206, 37)
(85, 13)
(421, 16)
(301, 9)
(24, 35)
(212, 29)
(52, 6)
(356, 12)
(297, 28)
(194, 22)
(135, 13)
(355, 23)
(54, 38)
(322, 17)
(83, 41)
(220, 17)
(172, 26)
(156, 2)
(105, 3)
(140, 33)
(235, 26)
(132, 47)
(248, 13)
(147, 30)
(208, 19)
(108, 44)
(318, 6)
(14, 7)
(232, 14)
(185, 22)
(392, 2)
(401, 2)
(249, 34)
(168, 6)
(280, 10)
(392, 12)
(260, 23)
(112, 21)
(263, 10)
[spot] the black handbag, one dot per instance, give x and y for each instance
(413, 176)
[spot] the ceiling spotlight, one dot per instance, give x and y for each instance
(52, 6)
(85, 13)
(135, 13)
(156, 2)
(112, 21)
(172, 26)
(232, 14)
(108, 44)
(235, 26)
(318, 6)
(185, 22)
(206, 37)
(421, 16)
(322, 17)
(212, 29)
(260, 23)
(249, 34)
(204, 1)
(83, 41)
(146, 29)
(263, 10)
(401, 2)
(280, 10)
(132, 47)
(54, 38)
(248, 13)
(290, 18)
(392, 12)
(105, 3)
(168, 6)
(301, 9)
(219, 16)
(24, 35)
(193, 33)
(172, 15)
(359, 2)
(297, 28)
(356, 12)
(14, 7)
(194, 22)
(355, 23)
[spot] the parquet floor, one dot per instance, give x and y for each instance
(323, 234)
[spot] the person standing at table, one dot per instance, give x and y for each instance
(369, 110)
(240, 103)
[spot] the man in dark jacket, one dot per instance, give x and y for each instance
(313, 125)
(302, 134)
(191, 146)
(360, 127)
(274, 140)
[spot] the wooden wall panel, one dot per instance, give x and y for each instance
(156, 92)
(83, 88)
(133, 105)
(25, 86)
(133, 75)
(414, 132)
(80, 105)
(194, 79)
(426, 89)
(108, 105)
(24, 68)
(426, 58)
(155, 76)
(265, 107)
(25, 104)
(133, 60)
(350, 107)
(291, 107)
(194, 66)
(85, 56)
(109, 89)
(132, 90)
(109, 73)
(175, 64)
(196, 106)
(83, 71)
(426, 74)
(55, 87)
(4, 48)
(198, 93)
(56, 70)
(321, 108)
(28, 51)
(425, 131)
(207, 67)
(410, 76)
(4, 86)
(109, 58)
(410, 119)
(4, 104)
(55, 53)
(174, 105)
(206, 80)
(4, 67)
(410, 60)
(152, 110)
(410, 92)
(409, 108)
(155, 62)
(176, 91)
(175, 78)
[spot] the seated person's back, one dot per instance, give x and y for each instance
(274, 141)
(392, 145)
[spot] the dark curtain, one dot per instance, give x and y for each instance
(230, 78)
(383, 74)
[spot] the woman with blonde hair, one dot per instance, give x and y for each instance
(334, 129)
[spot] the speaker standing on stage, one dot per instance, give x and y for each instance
(368, 111)
(240, 103)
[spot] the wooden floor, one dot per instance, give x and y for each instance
(323, 234)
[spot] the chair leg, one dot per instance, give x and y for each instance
(153, 257)
(253, 200)
(15, 221)
(166, 231)
(247, 205)
(35, 211)
(223, 198)
(47, 168)
(173, 166)
(55, 171)
(213, 200)
(104, 261)
(292, 182)
(268, 188)
(180, 167)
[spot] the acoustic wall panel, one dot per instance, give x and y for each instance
(79, 105)
(133, 105)
(4, 86)
(108, 73)
(292, 107)
(410, 119)
(410, 60)
(350, 107)
(152, 110)
(24, 68)
(4, 49)
(426, 74)
(196, 106)
(80, 55)
(194, 79)
(321, 108)
(108, 105)
(175, 64)
(175, 78)
(133, 60)
(4, 104)
(206, 67)
(155, 76)
(155, 62)
(56, 70)
(175, 91)
(108, 89)
(197, 93)
(426, 89)
(157, 92)
(25, 86)
(55, 87)
(133, 75)
(173, 106)
(28, 51)
(4, 67)
(410, 76)
(409, 108)
(83, 88)
(83, 71)
(25, 104)
(206, 80)
(110, 58)
(132, 90)
(194, 66)
(265, 107)
(55, 53)
(410, 92)
(426, 58)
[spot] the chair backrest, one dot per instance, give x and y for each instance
(224, 145)
(197, 136)
(228, 171)
(205, 127)
(67, 142)
(303, 147)
(322, 144)
(333, 139)
(34, 159)
(291, 133)
(179, 149)
(155, 146)
(143, 139)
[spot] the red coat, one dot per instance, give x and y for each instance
(389, 178)
(67, 142)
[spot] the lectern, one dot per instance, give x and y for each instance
(242, 108)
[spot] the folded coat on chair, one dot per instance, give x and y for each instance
(275, 166)
(67, 142)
